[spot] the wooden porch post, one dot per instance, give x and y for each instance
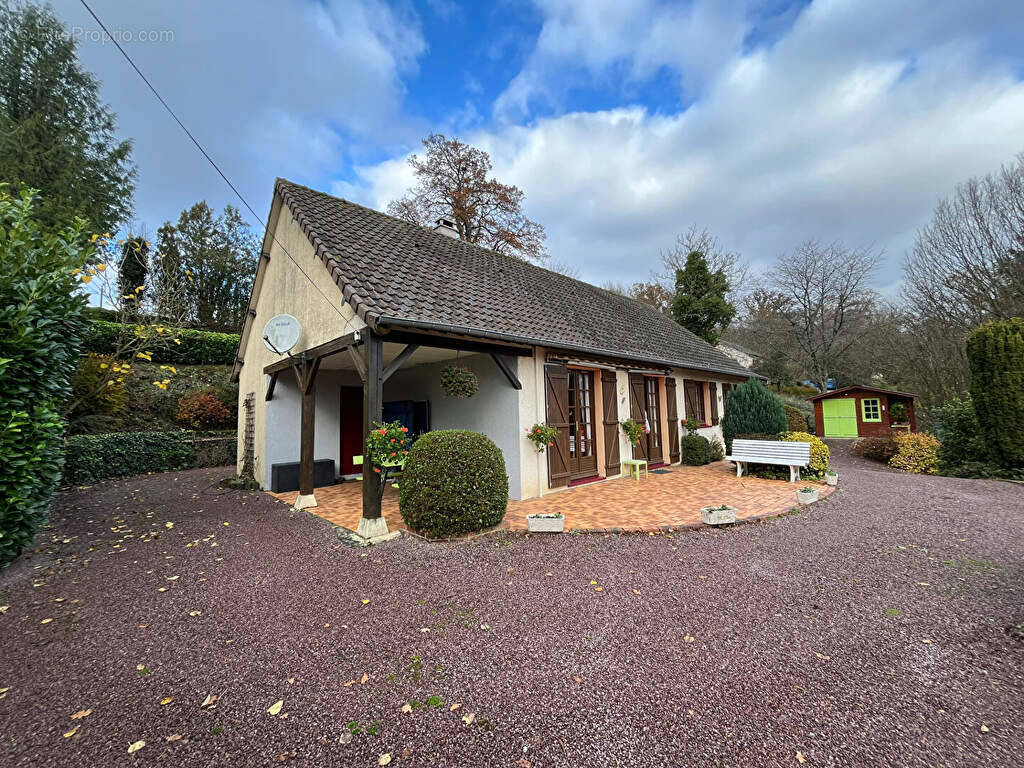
(372, 524)
(305, 372)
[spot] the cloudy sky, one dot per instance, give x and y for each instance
(768, 122)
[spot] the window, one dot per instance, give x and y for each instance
(694, 391)
(871, 409)
(713, 389)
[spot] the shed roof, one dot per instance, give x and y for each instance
(877, 390)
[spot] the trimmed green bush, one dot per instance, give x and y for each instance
(454, 482)
(795, 420)
(196, 348)
(41, 325)
(91, 458)
(694, 450)
(820, 453)
(995, 352)
(878, 448)
(917, 453)
(751, 408)
(961, 442)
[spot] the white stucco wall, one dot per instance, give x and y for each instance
(493, 411)
(533, 466)
(282, 288)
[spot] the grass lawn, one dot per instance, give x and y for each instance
(882, 627)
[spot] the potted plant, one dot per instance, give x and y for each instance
(545, 522)
(387, 447)
(831, 477)
(459, 382)
(542, 436)
(807, 495)
(722, 515)
(633, 430)
(897, 413)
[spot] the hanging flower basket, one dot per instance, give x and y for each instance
(633, 430)
(459, 382)
(542, 436)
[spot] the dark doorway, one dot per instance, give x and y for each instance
(582, 443)
(351, 428)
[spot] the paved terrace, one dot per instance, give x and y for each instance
(669, 500)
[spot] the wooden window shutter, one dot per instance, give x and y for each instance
(636, 411)
(610, 420)
(713, 391)
(672, 413)
(556, 385)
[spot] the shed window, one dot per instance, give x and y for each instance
(871, 409)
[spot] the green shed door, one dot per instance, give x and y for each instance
(840, 417)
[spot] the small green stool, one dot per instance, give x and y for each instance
(634, 466)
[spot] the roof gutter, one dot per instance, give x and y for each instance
(516, 339)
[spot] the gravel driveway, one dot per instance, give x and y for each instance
(883, 627)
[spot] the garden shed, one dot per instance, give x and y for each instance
(862, 411)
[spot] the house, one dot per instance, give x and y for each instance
(862, 411)
(385, 306)
(742, 355)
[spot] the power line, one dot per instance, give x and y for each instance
(206, 154)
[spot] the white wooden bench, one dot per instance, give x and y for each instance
(792, 455)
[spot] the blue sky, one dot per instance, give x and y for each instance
(625, 123)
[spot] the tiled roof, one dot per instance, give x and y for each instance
(394, 272)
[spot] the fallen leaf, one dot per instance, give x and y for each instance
(173, 578)
(71, 733)
(4, 608)
(227, 523)
(162, 589)
(926, 640)
(345, 737)
(688, 638)
(291, 681)
(143, 626)
(822, 656)
(468, 719)
(78, 715)
(327, 626)
(592, 582)
(350, 682)
(485, 626)
(522, 762)
(366, 600)
(136, 746)
(209, 702)
(276, 708)
(549, 573)
(984, 729)
(166, 700)
(384, 759)
(800, 758)
(599, 589)
(364, 678)
(140, 667)
(453, 707)
(168, 525)
(59, 599)
(173, 737)
(406, 708)
(636, 591)
(577, 678)
(46, 621)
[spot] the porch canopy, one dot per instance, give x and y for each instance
(375, 356)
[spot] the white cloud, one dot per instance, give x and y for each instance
(270, 89)
(849, 127)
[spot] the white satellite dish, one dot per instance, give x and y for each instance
(281, 333)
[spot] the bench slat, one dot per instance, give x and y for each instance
(770, 452)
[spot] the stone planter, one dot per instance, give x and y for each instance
(718, 516)
(545, 523)
(832, 479)
(807, 497)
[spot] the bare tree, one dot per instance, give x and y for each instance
(824, 304)
(730, 263)
(967, 265)
(453, 181)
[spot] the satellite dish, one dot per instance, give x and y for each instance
(281, 333)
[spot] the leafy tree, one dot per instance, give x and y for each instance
(752, 410)
(699, 303)
(995, 352)
(719, 259)
(55, 133)
(453, 181)
(133, 270)
(41, 325)
(214, 259)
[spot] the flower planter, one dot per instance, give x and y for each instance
(545, 523)
(718, 516)
(807, 497)
(832, 479)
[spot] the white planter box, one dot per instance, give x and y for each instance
(715, 516)
(807, 497)
(832, 479)
(540, 524)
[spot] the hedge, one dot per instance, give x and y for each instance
(196, 348)
(92, 458)
(454, 481)
(995, 352)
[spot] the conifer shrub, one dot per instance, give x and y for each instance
(752, 409)
(995, 352)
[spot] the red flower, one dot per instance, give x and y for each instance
(383, 431)
(392, 439)
(393, 453)
(405, 452)
(550, 443)
(377, 470)
(405, 429)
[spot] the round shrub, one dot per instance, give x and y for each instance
(819, 451)
(694, 450)
(916, 452)
(454, 482)
(202, 410)
(878, 448)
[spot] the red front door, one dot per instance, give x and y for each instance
(351, 428)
